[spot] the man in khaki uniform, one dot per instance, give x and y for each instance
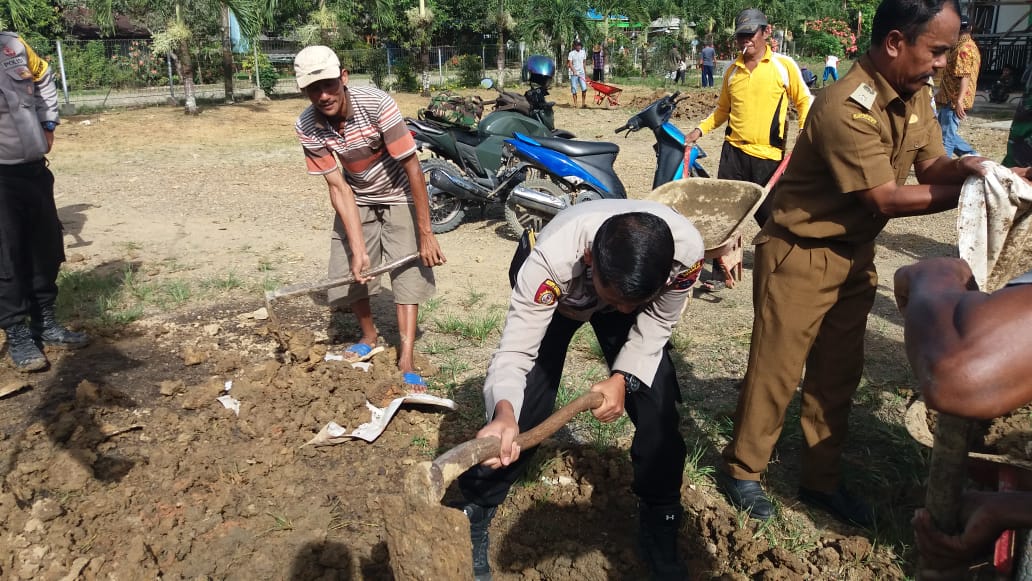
(815, 278)
(626, 267)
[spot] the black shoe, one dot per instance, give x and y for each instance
(479, 522)
(22, 348)
(747, 495)
(840, 504)
(47, 329)
(657, 539)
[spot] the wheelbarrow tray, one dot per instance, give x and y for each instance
(604, 91)
(716, 207)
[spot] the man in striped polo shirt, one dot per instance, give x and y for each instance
(379, 195)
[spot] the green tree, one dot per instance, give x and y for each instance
(557, 22)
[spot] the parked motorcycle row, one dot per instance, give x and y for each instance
(517, 158)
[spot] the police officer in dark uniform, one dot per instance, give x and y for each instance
(815, 278)
(31, 242)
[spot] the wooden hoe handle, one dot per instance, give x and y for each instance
(448, 466)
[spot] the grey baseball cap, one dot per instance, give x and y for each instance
(749, 21)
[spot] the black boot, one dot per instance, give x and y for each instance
(52, 333)
(22, 348)
(657, 539)
(479, 521)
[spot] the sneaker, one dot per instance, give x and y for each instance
(839, 504)
(746, 495)
(25, 353)
(479, 522)
(658, 530)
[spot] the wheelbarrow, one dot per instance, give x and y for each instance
(604, 92)
(1012, 553)
(718, 208)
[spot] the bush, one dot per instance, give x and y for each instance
(375, 63)
(620, 64)
(471, 71)
(405, 72)
(819, 44)
(267, 73)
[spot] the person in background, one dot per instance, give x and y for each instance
(1019, 140)
(957, 91)
(830, 69)
(708, 62)
(754, 98)
(953, 334)
(30, 230)
(379, 195)
(578, 77)
(682, 69)
(814, 276)
(626, 267)
(598, 64)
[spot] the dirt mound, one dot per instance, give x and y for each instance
(149, 477)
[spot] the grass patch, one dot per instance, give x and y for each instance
(227, 282)
(695, 472)
(476, 326)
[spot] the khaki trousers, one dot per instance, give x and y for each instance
(811, 301)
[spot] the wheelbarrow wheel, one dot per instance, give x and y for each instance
(446, 211)
(521, 218)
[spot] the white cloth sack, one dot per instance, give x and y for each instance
(994, 225)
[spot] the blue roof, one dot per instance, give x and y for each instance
(593, 14)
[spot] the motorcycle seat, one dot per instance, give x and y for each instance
(577, 148)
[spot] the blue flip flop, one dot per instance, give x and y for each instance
(414, 381)
(361, 352)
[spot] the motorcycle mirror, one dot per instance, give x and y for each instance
(486, 83)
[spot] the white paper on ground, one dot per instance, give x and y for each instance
(230, 403)
(332, 433)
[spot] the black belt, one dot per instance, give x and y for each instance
(27, 169)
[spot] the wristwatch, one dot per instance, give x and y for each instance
(50, 125)
(631, 383)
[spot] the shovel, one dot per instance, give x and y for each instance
(429, 541)
(311, 287)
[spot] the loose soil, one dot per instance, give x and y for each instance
(118, 463)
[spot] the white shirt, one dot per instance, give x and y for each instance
(576, 60)
(831, 61)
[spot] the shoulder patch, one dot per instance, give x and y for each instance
(548, 293)
(687, 277)
(864, 95)
(866, 117)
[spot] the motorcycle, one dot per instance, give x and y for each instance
(579, 171)
(474, 156)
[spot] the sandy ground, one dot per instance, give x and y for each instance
(118, 463)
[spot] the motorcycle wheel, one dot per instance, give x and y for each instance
(520, 218)
(446, 211)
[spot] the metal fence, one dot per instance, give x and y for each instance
(118, 73)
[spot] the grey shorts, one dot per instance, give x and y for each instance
(390, 234)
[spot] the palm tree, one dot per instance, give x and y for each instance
(559, 22)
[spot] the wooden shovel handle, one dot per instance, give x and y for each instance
(448, 466)
(311, 287)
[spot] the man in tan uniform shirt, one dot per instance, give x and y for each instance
(626, 268)
(815, 278)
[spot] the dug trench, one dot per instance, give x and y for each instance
(118, 462)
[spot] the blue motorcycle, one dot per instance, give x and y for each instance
(578, 171)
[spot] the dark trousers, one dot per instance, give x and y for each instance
(31, 243)
(657, 450)
(598, 75)
(707, 75)
(736, 164)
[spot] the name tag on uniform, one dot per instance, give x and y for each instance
(19, 61)
(864, 95)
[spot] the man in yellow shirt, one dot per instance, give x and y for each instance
(754, 103)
